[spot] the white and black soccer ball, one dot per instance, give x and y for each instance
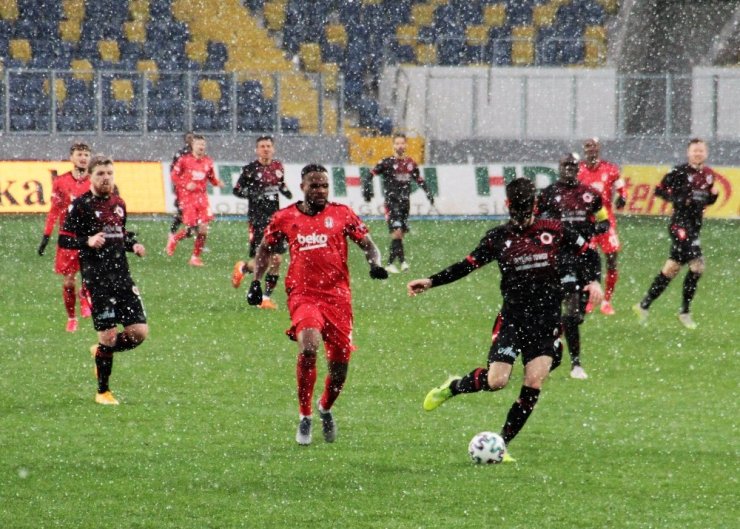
(487, 448)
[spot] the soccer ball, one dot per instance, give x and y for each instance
(487, 448)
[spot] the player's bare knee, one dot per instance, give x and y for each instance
(697, 266)
(497, 380)
(68, 281)
(671, 269)
(107, 337)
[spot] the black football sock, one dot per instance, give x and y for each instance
(176, 221)
(519, 413)
(394, 251)
(270, 283)
(573, 338)
(124, 342)
(656, 289)
(473, 382)
(689, 289)
(401, 255)
(104, 365)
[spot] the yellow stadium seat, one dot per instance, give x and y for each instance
(274, 13)
(595, 33)
(336, 34)
(82, 69)
(543, 15)
(60, 89)
(70, 30)
(610, 6)
(426, 53)
(197, 50)
(109, 51)
(494, 15)
(9, 10)
(268, 84)
(73, 9)
(135, 31)
(330, 71)
(407, 34)
(522, 46)
(149, 68)
(371, 2)
(422, 14)
(139, 10)
(209, 90)
(20, 50)
(310, 55)
(476, 35)
(122, 89)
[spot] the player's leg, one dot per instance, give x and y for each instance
(176, 218)
(189, 219)
(612, 275)
(271, 280)
(573, 303)
(535, 373)
(85, 304)
(309, 341)
(696, 269)
(69, 296)
(201, 234)
(241, 268)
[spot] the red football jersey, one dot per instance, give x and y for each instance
(318, 248)
(64, 189)
(605, 179)
(189, 169)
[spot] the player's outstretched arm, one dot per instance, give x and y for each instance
(372, 254)
(418, 286)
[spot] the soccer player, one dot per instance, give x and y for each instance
(579, 207)
(96, 226)
(605, 178)
(190, 175)
(260, 182)
(528, 252)
(317, 283)
(187, 149)
(64, 189)
(397, 172)
(689, 188)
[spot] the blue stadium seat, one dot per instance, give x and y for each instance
(289, 125)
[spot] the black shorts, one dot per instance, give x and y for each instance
(113, 306)
(256, 232)
(531, 340)
(685, 245)
(397, 215)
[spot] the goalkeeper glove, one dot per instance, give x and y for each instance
(42, 246)
(378, 272)
(254, 294)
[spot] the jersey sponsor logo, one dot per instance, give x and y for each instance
(527, 262)
(546, 238)
(507, 351)
(198, 175)
(312, 241)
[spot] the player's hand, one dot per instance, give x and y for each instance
(595, 294)
(254, 294)
(96, 241)
(418, 286)
(42, 246)
(139, 249)
(620, 203)
(378, 272)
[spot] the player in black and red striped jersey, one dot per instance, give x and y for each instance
(689, 188)
(260, 182)
(528, 252)
(580, 207)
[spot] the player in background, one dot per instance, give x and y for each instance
(397, 172)
(96, 227)
(528, 252)
(64, 189)
(689, 188)
(579, 207)
(605, 178)
(187, 149)
(318, 288)
(260, 182)
(190, 174)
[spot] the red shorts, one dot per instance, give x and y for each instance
(67, 261)
(195, 212)
(608, 242)
(332, 318)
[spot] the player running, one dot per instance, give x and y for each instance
(579, 207)
(64, 190)
(528, 252)
(319, 294)
(96, 226)
(689, 188)
(260, 182)
(605, 178)
(397, 172)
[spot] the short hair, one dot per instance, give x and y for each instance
(265, 137)
(198, 137)
(592, 139)
(313, 168)
(692, 141)
(399, 135)
(521, 193)
(99, 159)
(569, 158)
(79, 146)
(188, 136)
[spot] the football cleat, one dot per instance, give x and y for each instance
(268, 304)
(328, 426)
(238, 274)
(439, 395)
(687, 321)
(106, 398)
(507, 458)
(642, 314)
(303, 434)
(606, 308)
(393, 269)
(195, 261)
(589, 308)
(171, 245)
(578, 373)
(71, 325)
(404, 266)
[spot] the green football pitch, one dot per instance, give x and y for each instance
(204, 435)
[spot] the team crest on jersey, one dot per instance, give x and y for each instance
(410, 167)
(507, 243)
(709, 179)
(279, 173)
(588, 198)
(546, 237)
(329, 222)
(118, 211)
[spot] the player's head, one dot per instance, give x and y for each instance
(265, 148)
(188, 138)
(399, 144)
(79, 155)
(520, 198)
(697, 152)
(592, 150)
(315, 186)
(568, 167)
(101, 175)
(199, 145)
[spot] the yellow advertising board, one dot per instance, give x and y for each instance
(641, 180)
(25, 187)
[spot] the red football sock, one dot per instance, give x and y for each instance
(84, 296)
(180, 235)
(306, 375)
(70, 299)
(200, 242)
(611, 281)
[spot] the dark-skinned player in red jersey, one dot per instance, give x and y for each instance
(397, 171)
(579, 207)
(319, 294)
(65, 189)
(528, 252)
(260, 182)
(689, 188)
(96, 226)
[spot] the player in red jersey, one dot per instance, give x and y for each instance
(190, 175)
(319, 294)
(604, 177)
(64, 189)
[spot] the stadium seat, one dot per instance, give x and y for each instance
(135, 31)
(139, 10)
(9, 10)
(494, 15)
(274, 15)
(543, 15)
(108, 50)
(426, 54)
(122, 90)
(70, 30)
(82, 69)
(522, 46)
(60, 90)
(330, 79)
(310, 55)
(149, 68)
(197, 51)
(73, 9)
(336, 34)
(20, 50)
(422, 14)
